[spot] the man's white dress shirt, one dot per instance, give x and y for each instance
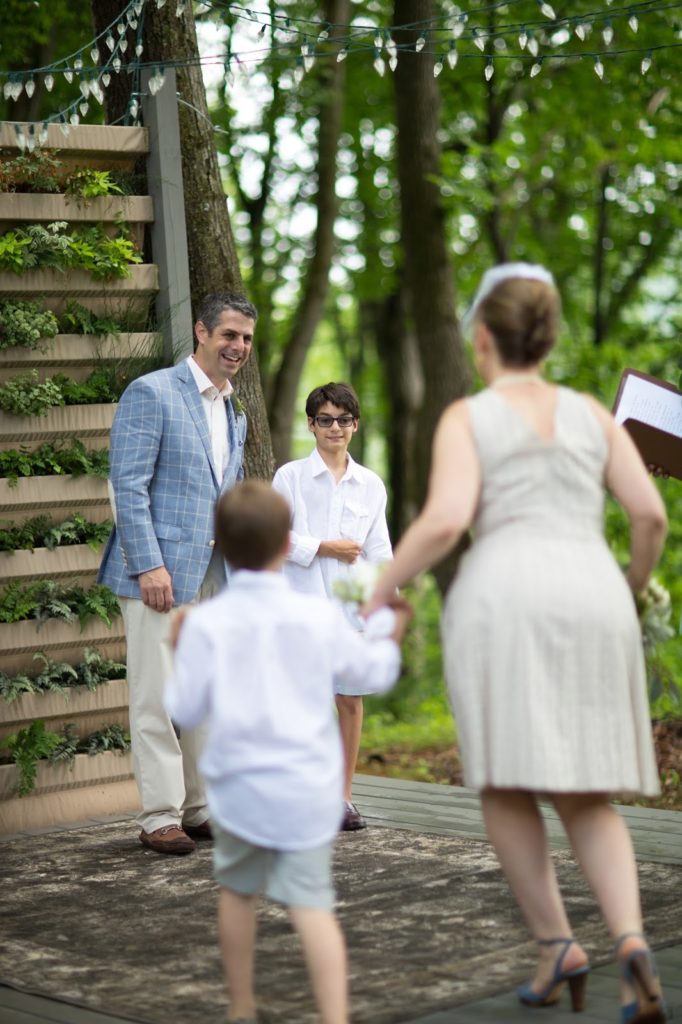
(258, 663)
(213, 401)
(322, 509)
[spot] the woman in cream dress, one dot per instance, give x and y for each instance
(541, 641)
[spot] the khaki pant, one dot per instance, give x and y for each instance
(165, 762)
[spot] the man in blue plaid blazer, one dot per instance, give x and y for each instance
(177, 442)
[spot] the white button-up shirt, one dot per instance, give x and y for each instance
(322, 509)
(213, 402)
(258, 663)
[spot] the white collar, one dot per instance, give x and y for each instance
(204, 383)
(319, 466)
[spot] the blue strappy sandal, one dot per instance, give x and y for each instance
(549, 996)
(639, 970)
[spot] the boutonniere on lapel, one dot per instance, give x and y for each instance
(237, 405)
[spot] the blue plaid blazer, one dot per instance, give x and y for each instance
(165, 483)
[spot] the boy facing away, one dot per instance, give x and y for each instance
(338, 511)
(259, 664)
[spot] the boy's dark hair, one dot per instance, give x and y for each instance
(251, 525)
(341, 395)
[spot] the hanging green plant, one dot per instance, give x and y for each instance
(26, 323)
(31, 172)
(59, 677)
(28, 395)
(89, 183)
(50, 246)
(45, 599)
(78, 319)
(49, 459)
(41, 532)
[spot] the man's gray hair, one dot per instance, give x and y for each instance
(212, 307)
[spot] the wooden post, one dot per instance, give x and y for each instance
(169, 235)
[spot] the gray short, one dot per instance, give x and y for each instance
(296, 878)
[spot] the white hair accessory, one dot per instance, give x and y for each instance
(502, 272)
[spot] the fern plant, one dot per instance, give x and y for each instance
(44, 599)
(78, 319)
(59, 677)
(52, 246)
(26, 747)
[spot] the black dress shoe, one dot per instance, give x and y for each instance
(352, 819)
(202, 831)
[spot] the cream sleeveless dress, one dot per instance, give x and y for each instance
(542, 647)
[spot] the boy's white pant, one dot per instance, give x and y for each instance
(165, 766)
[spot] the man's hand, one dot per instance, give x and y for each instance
(156, 589)
(343, 550)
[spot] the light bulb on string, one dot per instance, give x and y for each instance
(646, 64)
(393, 62)
(133, 23)
(298, 71)
(378, 41)
(19, 132)
(489, 69)
(459, 26)
(156, 81)
(94, 55)
(84, 86)
(106, 78)
(134, 107)
(180, 9)
(78, 63)
(17, 89)
(342, 54)
(116, 63)
(523, 38)
(379, 64)
(49, 82)
(533, 45)
(536, 69)
(111, 42)
(582, 30)
(123, 45)
(74, 118)
(391, 48)
(96, 91)
(547, 10)
(31, 141)
(607, 32)
(160, 4)
(68, 75)
(308, 56)
(420, 44)
(437, 68)
(43, 134)
(120, 28)
(633, 22)
(452, 56)
(479, 39)
(599, 68)
(322, 38)
(139, 49)
(83, 107)
(30, 87)
(137, 7)
(7, 89)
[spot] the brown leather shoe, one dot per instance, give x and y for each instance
(168, 839)
(352, 819)
(202, 831)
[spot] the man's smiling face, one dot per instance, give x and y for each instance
(222, 352)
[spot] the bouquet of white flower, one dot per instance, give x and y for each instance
(655, 611)
(357, 587)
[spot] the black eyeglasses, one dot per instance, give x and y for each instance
(346, 419)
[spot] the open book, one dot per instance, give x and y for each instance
(651, 412)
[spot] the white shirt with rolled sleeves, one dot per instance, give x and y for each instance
(258, 664)
(353, 509)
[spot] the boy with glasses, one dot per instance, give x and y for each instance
(338, 510)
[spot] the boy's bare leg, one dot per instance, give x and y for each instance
(350, 711)
(237, 930)
(325, 953)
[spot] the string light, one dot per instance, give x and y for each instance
(420, 44)
(633, 22)
(598, 68)
(489, 70)
(547, 10)
(452, 56)
(646, 64)
(536, 69)
(607, 33)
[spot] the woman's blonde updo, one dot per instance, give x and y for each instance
(522, 314)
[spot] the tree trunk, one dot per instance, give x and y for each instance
(397, 347)
(429, 275)
(316, 284)
(213, 263)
